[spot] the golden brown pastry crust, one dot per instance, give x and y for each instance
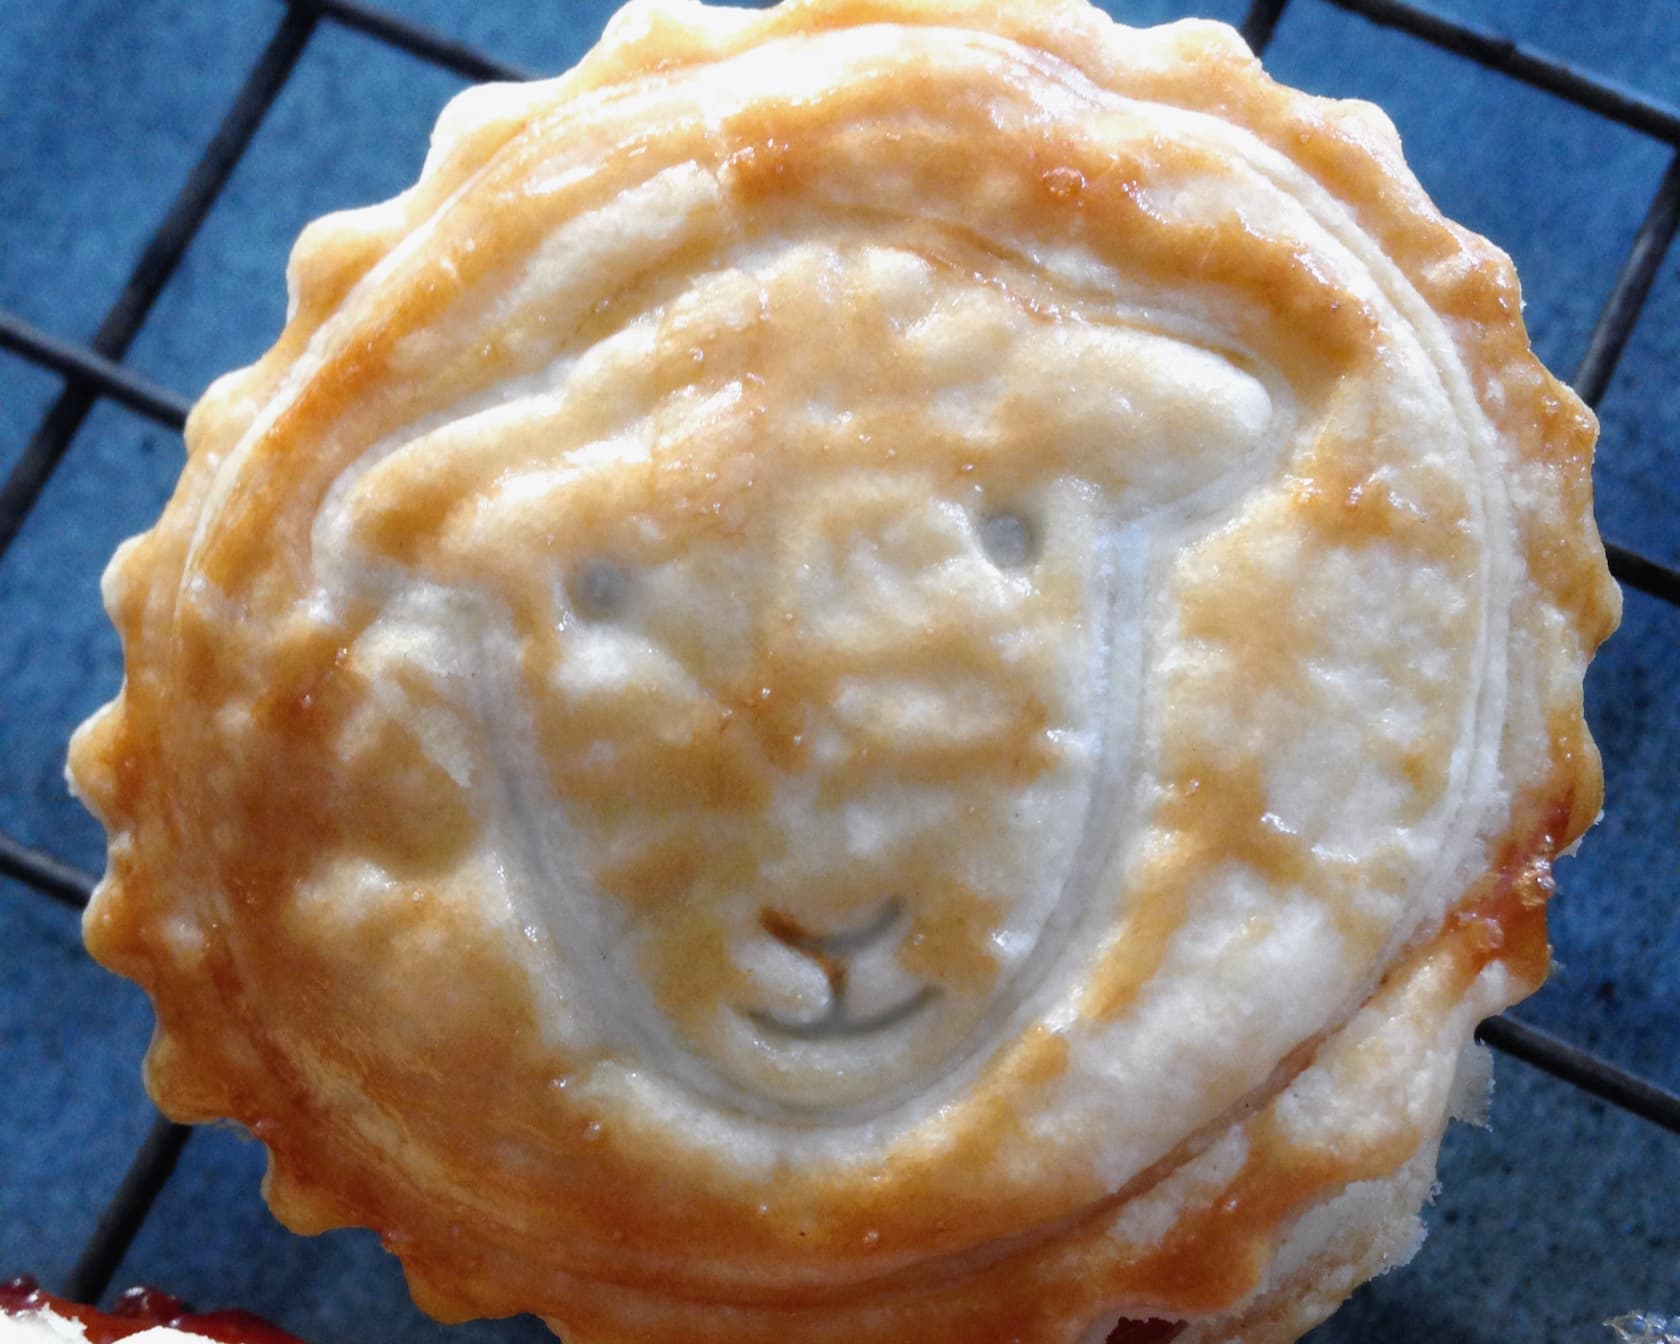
(306, 871)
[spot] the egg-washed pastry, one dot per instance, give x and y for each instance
(886, 670)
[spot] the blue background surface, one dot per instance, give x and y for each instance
(1562, 1214)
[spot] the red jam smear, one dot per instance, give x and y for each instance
(141, 1309)
(1146, 1332)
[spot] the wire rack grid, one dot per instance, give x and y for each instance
(93, 372)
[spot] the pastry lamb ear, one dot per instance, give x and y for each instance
(885, 670)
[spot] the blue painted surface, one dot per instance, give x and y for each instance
(1562, 1214)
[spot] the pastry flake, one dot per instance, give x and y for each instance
(880, 670)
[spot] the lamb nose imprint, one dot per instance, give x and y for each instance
(835, 953)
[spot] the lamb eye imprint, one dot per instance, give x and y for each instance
(990, 801)
(1008, 540)
(600, 590)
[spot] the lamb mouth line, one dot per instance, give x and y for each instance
(838, 1024)
(833, 952)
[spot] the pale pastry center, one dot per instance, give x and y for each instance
(823, 590)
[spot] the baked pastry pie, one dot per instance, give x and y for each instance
(885, 670)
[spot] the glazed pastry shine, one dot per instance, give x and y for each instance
(898, 670)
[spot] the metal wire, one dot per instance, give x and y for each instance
(1641, 572)
(1604, 351)
(1543, 71)
(1583, 1069)
(412, 38)
(147, 1174)
(1260, 23)
(157, 263)
(95, 371)
(1633, 287)
(63, 882)
(90, 371)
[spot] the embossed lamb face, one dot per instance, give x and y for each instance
(839, 707)
(832, 696)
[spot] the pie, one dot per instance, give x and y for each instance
(882, 670)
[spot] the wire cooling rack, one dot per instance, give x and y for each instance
(95, 371)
